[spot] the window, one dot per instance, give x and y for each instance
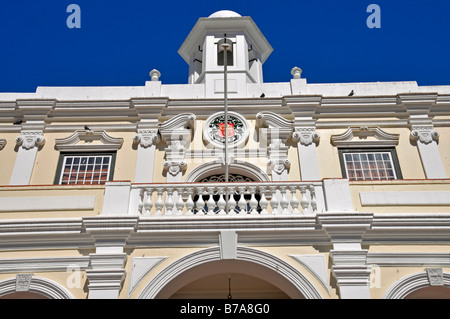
(221, 53)
(369, 164)
(85, 168)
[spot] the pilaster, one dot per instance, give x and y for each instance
(107, 265)
(28, 143)
(31, 138)
(305, 134)
(350, 268)
(418, 106)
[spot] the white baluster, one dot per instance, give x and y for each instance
(141, 202)
(200, 202)
(148, 201)
(190, 203)
(242, 203)
(231, 207)
(169, 202)
(221, 202)
(294, 201)
(274, 203)
(284, 200)
(304, 201)
(253, 202)
(159, 205)
(179, 204)
(211, 203)
(263, 203)
(312, 191)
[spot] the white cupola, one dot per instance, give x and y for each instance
(248, 50)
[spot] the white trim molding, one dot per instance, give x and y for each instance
(294, 281)
(71, 143)
(38, 285)
(424, 279)
(365, 136)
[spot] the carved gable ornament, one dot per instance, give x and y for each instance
(88, 140)
(365, 136)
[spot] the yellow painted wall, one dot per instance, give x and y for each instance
(7, 157)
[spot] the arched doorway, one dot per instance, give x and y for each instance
(418, 286)
(230, 286)
(437, 292)
(204, 273)
(39, 288)
(24, 295)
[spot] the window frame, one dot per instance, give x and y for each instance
(62, 155)
(391, 150)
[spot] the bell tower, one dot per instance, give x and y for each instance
(247, 52)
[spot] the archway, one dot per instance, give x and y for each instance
(418, 286)
(39, 287)
(198, 270)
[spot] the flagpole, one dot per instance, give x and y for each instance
(225, 46)
(225, 92)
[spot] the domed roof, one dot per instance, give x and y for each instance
(224, 14)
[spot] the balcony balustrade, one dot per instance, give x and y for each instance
(219, 199)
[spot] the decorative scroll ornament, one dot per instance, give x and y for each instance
(306, 135)
(146, 138)
(278, 161)
(175, 154)
(30, 139)
(424, 133)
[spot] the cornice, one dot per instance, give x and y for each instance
(140, 231)
(162, 108)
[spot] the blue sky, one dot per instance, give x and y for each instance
(119, 42)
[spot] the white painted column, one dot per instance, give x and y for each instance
(426, 138)
(149, 110)
(418, 106)
(146, 140)
(349, 268)
(107, 265)
(306, 138)
(28, 143)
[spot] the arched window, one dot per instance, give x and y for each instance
(221, 53)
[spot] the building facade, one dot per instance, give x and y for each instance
(332, 191)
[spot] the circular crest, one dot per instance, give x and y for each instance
(214, 129)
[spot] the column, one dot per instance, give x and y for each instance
(426, 138)
(28, 143)
(34, 113)
(146, 138)
(307, 138)
(418, 106)
(349, 268)
(305, 134)
(106, 271)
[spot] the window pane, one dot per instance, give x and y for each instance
(369, 165)
(87, 172)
